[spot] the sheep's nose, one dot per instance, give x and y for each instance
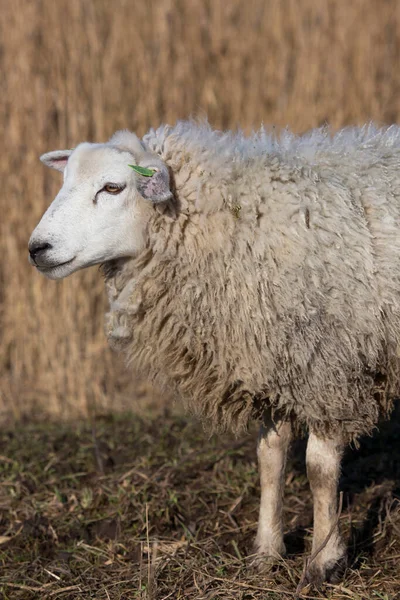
(38, 248)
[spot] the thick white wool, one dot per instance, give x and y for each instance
(271, 282)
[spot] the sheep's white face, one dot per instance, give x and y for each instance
(101, 211)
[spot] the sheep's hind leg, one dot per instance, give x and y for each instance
(323, 468)
(272, 449)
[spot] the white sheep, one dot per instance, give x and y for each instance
(257, 277)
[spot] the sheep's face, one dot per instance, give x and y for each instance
(102, 210)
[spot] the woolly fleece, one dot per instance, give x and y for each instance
(271, 281)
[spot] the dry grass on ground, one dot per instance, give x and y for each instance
(143, 507)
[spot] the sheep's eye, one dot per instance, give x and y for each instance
(113, 188)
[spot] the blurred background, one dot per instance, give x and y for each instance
(76, 70)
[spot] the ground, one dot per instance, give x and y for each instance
(150, 507)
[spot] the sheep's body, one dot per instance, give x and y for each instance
(274, 283)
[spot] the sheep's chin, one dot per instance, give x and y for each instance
(59, 271)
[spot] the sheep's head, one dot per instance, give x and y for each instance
(102, 210)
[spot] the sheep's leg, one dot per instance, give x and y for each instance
(323, 468)
(272, 449)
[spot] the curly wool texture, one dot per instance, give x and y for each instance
(272, 280)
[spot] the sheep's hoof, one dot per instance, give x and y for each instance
(332, 572)
(263, 562)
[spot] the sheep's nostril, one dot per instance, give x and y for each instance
(38, 248)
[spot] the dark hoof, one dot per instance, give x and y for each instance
(331, 572)
(335, 573)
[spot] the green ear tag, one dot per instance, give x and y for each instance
(143, 171)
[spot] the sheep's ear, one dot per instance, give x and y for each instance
(152, 182)
(127, 139)
(57, 159)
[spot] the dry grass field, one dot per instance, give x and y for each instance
(178, 514)
(80, 69)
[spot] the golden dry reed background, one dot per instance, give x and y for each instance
(75, 70)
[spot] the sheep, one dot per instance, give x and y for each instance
(257, 277)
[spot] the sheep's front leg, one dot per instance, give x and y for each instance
(323, 468)
(272, 449)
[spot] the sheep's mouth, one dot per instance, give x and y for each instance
(52, 267)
